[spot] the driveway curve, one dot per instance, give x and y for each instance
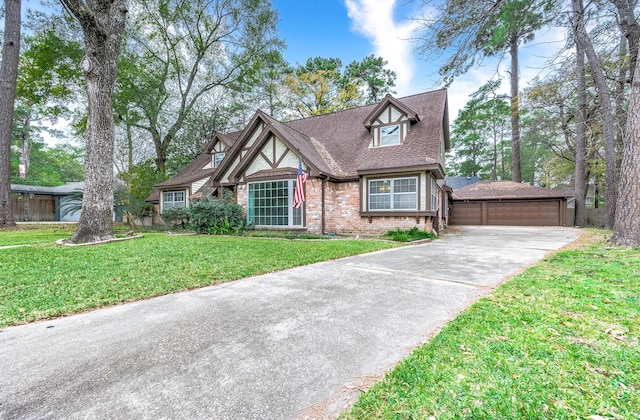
(299, 343)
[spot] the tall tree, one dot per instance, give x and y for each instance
(180, 53)
(323, 85)
(266, 87)
(371, 76)
(478, 133)
(8, 76)
(102, 23)
(474, 29)
(581, 143)
(48, 78)
(318, 87)
(630, 28)
(52, 165)
(467, 142)
(626, 229)
(583, 40)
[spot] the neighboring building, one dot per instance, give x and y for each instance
(508, 203)
(457, 182)
(35, 203)
(371, 168)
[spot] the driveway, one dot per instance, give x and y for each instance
(299, 343)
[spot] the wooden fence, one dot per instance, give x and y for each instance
(595, 217)
(33, 207)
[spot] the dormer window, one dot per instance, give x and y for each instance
(390, 135)
(217, 159)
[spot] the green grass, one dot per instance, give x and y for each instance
(40, 281)
(35, 234)
(559, 341)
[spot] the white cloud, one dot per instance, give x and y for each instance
(391, 40)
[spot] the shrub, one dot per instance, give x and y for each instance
(413, 234)
(216, 217)
(176, 216)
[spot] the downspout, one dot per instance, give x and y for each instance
(323, 207)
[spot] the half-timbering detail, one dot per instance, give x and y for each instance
(370, 168)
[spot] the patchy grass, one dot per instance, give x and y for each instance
(558, 341)
(41, 281)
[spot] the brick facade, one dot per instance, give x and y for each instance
(342, 211)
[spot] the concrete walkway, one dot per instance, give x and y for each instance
(294, 344)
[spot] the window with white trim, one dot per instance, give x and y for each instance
(390, 135)
(271, 204)
(434, 195)
(173, 199)
(393, 194)
(217, 159)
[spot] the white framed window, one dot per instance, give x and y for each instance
(173, 199)
(217, 159)
(390, 135)
(393, 194)
(271, 204)
(434, 195)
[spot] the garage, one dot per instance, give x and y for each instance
(506, 203)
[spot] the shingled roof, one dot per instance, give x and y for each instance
(337, 144)
(193, 171)
(501, 190)
(346, 139)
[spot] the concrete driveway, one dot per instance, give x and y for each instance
(300, 343)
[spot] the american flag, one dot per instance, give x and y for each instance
(298, 196)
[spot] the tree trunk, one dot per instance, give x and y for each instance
(494, 174)
(161, 158)
(626, 230)
(620, 112)
(581, 143)
(606, 111)
(515, 113)
(630, 30)
(26, 136)
(129, 148)
(8, 77)
(102, 22)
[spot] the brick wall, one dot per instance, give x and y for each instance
(342, 211)
(343, 214)
(313, 205)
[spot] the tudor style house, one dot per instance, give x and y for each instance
(370, 168)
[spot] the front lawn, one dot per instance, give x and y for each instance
(559, 341)
(44, 280)
(35, 234)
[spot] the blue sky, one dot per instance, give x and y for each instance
(353, 29)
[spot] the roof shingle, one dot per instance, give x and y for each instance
(494, 190)
(337, 144)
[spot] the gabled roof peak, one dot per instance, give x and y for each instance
(382, 105)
